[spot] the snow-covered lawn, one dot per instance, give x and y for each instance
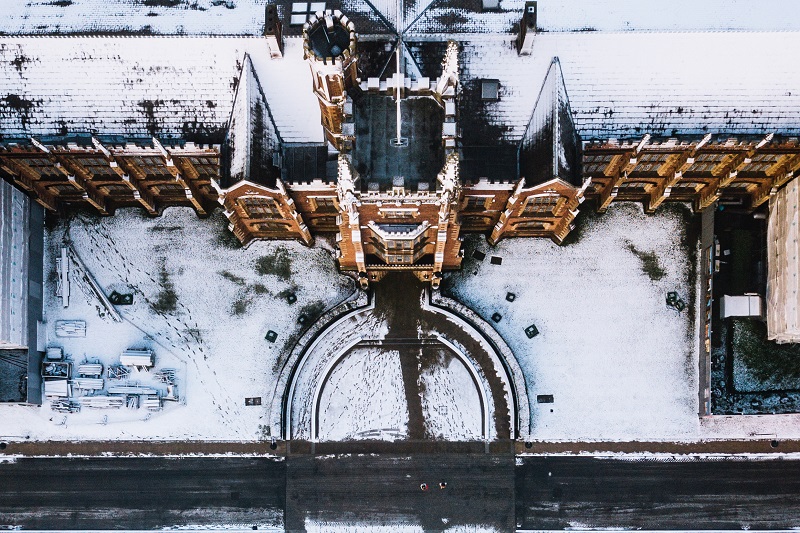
(619, 362)
(451, 403)
(364, 397)
(215, 310)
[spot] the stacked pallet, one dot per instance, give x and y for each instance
(103, 402)
(88, 383)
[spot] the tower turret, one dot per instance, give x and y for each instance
(329, 46)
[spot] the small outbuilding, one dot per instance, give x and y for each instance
(783, 265)
(138, 358)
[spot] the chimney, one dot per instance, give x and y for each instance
(273, 31)
(527, 29)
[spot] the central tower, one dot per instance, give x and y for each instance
(397, 202)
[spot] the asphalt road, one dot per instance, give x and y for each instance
(555, 493)
(482, 490)
(385, 490)
(140, 493)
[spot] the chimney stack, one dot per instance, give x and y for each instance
(527, 29)
(273, 31)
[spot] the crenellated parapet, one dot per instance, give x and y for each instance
(351, 249)
(329, 46)
(447, 83)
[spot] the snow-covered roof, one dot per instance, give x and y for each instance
(14, 232)
(252, 137)
(628, 84)
(246, 17)
(164, 86)
(169, 17)
(619, 83)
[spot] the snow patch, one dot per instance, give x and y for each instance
(213, 332)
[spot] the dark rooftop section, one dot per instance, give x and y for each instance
(328, 42)
(304, 162)
(378, 161)
(13, 375)
(376, 58)
(485, 150)
(550, 147)
(428, 56)
(495, 162)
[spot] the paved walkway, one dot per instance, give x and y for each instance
(105, 448)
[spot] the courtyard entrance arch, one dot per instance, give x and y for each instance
(405, 364)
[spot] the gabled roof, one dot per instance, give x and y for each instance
(252, 138)
(550, 147)
(246, 17)
(171, 87)
(629, 84)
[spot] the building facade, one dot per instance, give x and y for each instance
(393, 177)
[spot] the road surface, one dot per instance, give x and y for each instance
(555, 493)
(140, 493)
(483, 489)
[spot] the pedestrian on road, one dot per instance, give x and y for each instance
(423, 486)
(442, 485)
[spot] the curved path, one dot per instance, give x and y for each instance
(401, 367)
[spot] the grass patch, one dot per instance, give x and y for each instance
(276, 264)
(52, 276)
(156, 229)
(230, 276)
(260, 288)
(196, 334)
(313, 310)
(284, 294)
(167, 299)
(767, 360)
(225, 237)
(650, 264)
(240, 306)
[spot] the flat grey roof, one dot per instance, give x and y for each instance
(377, 160)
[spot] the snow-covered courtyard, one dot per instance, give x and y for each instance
(202, 304)
(618, 362)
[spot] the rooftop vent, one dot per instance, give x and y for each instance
(273, 31)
